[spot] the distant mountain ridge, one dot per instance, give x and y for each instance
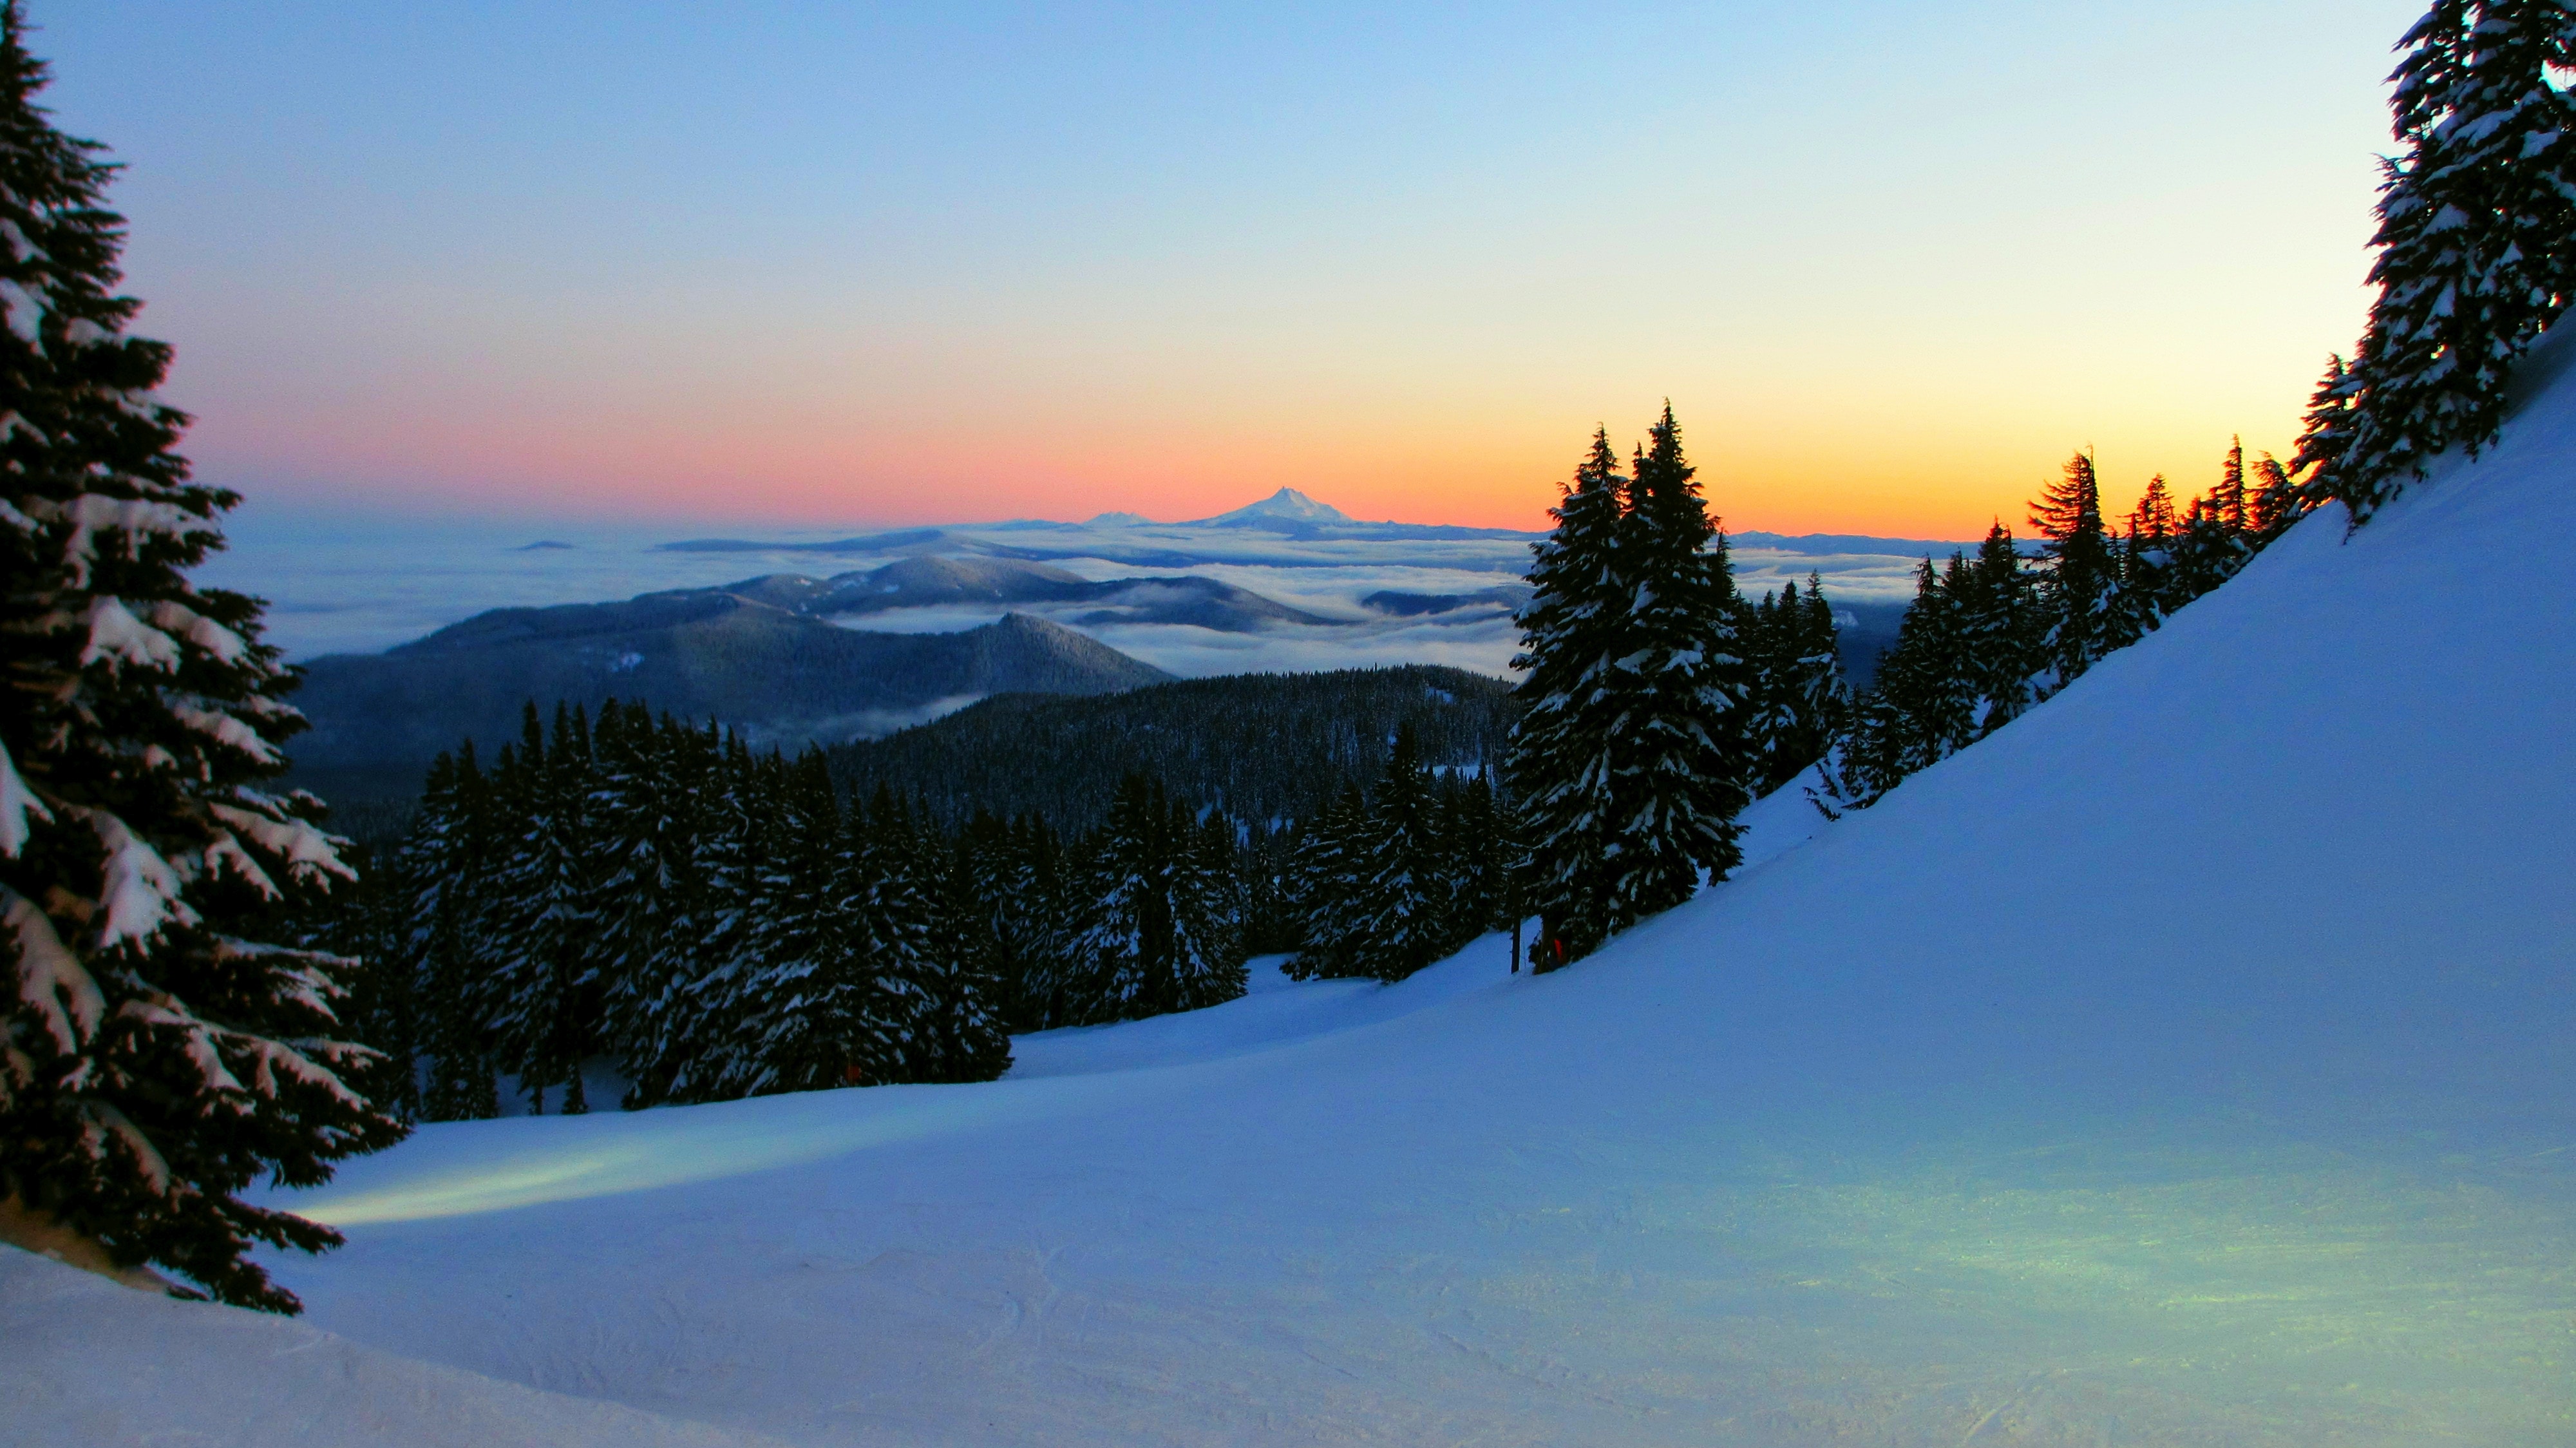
(1286, 514)
(777, 674)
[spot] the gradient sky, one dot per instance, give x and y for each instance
(844, 264)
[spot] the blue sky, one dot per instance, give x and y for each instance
(838, 263)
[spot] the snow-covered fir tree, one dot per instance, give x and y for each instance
(1680, 692)
(2144, 559)
(1006, 887)
(2477, 240)
(443, 859)
(2278, 501)
(651, 1006)
(538, 937)
(2001, 629)
(2213, 541)
(1799, 692)
(2076, 591)
(1573, 634)
(1159, 929)
(956, 1032)
(160, 1056)
(1326, 876)
(1402, 909)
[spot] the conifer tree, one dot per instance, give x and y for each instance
(2077, 591)
(536, 940)
(159, 1056)
(651, 1011)
(1472, 860)
(1326, 876)
(956, 1034)
(2146, 562)
(1401, 909)
(444, 857)
(1573, 635)
(2477, 239)
(809, 1015)
(2325, 432)
(1680, 693)
(2277, 500)
(2001, 630)
(1156, 933)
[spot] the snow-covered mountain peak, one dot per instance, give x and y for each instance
(1285, 506)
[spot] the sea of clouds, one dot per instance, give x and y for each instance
(352, 585)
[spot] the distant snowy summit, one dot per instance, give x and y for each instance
(1285, 506)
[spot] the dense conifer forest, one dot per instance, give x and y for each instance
(1265, 747)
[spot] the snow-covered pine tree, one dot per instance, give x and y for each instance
(1208, 911)
(1927, 676)
(639, 812)
(2145, 562)
(444, 857)
(697, 1043)
(1574, 631)
(959, 1034)
(537, 950)
(2212, 543)
(891, 921)
(1015, 896)
(1926, 703)
(365, 923)
(2000, 627)
(1326, 882)
(2325, 432)
(2277, 500)
(1267, 862)
(159, 1058)
(1679, 692)
(1154, 933)
(1769, 647)
(1401, 913)
(809, 1015)
(2078, 591)
(651, 1017)
(2477, 238)
(1817, 696)
(1474, 862)
(990, 883)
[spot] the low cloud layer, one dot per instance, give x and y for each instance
(366, 588)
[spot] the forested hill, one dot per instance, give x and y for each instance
(775, 675)
(1265, 746)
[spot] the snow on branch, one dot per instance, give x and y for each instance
(107, 1124)
(309, 853)
(177, 618)
(18, 804)
(162, 1013)
(139, 891)
(91, 514)
(51, 982)
(224, 852)
(116, 634)
(225, 729)
(25, 314)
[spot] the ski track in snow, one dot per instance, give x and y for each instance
(2188, 1063)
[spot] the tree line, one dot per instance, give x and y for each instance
(1989, 636)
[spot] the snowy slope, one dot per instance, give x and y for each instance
(2189, 1062)
(213, 1377)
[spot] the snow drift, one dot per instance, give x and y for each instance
(2190, 1061)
